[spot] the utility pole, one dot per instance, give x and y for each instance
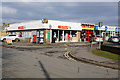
(100, 25)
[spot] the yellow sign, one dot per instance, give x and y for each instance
(27, 33)
(88, 28)
(74, 38)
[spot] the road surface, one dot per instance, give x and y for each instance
(48, 63)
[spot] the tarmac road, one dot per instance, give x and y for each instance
(48, 63)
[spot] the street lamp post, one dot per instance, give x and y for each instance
(100, 25)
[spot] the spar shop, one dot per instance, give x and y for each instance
(47, 31)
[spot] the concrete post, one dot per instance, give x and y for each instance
(70, 35)
(58, 35)
(50, 36)
(63, 36)
(77, 36)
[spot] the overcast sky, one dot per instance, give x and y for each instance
(83, 12)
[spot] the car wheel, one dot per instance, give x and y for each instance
(4, 40)
(101, 42)
(17, 40)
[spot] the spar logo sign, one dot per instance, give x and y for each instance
(21, 27)
(64, 27)
(69, 27)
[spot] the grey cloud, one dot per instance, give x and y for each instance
(61, 1)
(75, 11)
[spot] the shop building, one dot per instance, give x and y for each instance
(117, 31)
(47, 31)
(87, 32)
(110, 31)
(101, 31)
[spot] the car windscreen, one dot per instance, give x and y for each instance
(12, 35)
(114, 37)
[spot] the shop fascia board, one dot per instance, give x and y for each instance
(39, 25)
(28, 26)
(111, 28)
(73, 25)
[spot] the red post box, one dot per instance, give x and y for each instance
(34, 38)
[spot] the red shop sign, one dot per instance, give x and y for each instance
(21, 27)
(63, 27)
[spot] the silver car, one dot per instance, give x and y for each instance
(114, 39)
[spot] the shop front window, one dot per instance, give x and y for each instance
(74, 36)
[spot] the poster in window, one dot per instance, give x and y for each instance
(41, 33)
(41, 40)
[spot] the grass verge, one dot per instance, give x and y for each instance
(105, 54)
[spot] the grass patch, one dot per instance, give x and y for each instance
(106, 54)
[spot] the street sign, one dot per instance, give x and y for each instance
(105, 28)
(96, 27)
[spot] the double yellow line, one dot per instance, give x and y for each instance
(68, 57)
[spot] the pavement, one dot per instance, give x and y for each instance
(87, 57)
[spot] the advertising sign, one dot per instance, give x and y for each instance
(96, 27)
(50, 26)
(111, 28)
(117, 29)
(20, 27)
(41, 33)
(101, 28)
(41, 36)
(38, 34)
(88, 27)
(105, 28)
(44, 20)
(64, 27)
(41, 40)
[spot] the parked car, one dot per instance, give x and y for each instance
(119, 38)
(98, 38)
(114, 39)
(13, 37)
